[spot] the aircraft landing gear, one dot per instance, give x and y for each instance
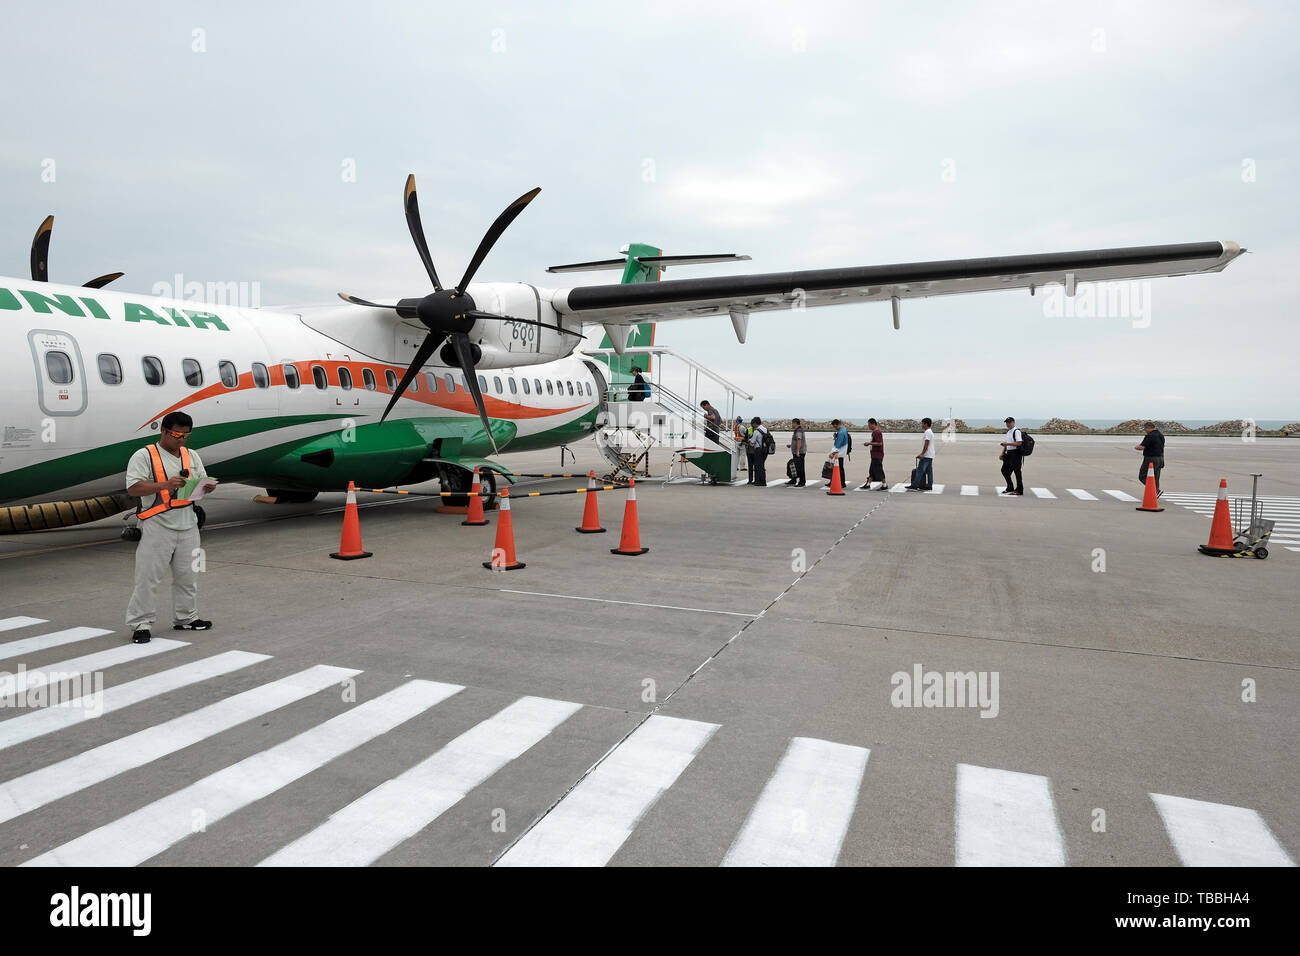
(459, 480)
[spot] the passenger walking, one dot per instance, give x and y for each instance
(1152, 447)
(798, 452)
(877, 472)
(1012, 458)
(923, 477)
(841, 448)
(639, 390)
(761, 442)
(713, 421)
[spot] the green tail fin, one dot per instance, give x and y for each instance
(643, 334)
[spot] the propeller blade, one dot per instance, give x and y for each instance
(494, 233)
(41, 251)
(476, 315)
(417, 231)
(460, 342)
(355, 300)
(431, 342)
(102, 281)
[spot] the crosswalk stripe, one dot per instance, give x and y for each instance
(970, 489)
(1293, 549)
(1119, 495)
(803, 814)
(42, 642)
(596, 817)
(936, 490)
(1216, 834)
(1042, 493)
(22, 682)
(150, 830)
(38, 723)
(35, 789)
(900, 487)
(12, 623)
(369, 827)
(1005, 818)
(1081, 494)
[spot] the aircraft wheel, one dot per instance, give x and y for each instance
(1261, 553)
(488, 486)
(130, 534)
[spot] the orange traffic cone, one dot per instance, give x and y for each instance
(503, 554)
(837, 486)
(350, 545)
(631, 542)
(475, 516)
(590, 515)
(1221, 527)
(1149, 498)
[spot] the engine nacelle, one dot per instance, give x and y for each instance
(505, 344)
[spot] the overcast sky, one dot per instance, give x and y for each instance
(213, 140)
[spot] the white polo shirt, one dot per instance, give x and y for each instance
(929, 449)
(1014, 435)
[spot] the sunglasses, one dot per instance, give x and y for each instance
(176, 434)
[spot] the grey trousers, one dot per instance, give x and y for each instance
(160, 548)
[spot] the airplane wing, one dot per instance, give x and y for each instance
(621, 305)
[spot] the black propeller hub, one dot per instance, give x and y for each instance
(448, 355)
(444, 311)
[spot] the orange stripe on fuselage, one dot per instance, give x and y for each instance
(460, 401)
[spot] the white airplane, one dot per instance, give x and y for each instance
(306, 399)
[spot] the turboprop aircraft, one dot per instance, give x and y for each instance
(306, 399)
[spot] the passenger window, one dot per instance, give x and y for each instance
(513, 389)
(432, 380)
(496, 384)
(153, 370)
(318, 376)
(482, 384)
(345, 379)
(538, 383)
(526, 390)
(261, 377)
(451, 383)
(59, 367)
(193, 372)
(229, 374)
(291, 376)
(569, 385)
(414, 385)
(391, 379)
(588, 389)
(110, 369)
(550, 389)
(368, 377)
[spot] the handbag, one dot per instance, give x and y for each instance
(828, 469)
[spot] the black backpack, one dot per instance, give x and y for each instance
(769, 443)
(848, 451)
(1026, 443)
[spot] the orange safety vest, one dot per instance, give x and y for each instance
(165, 502)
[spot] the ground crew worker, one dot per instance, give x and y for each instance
(1152, 447)
(169, 529)
(743, 432)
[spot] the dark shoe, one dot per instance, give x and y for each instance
(800, 484)
(1020, 492)
(141, 635)
(194, 625)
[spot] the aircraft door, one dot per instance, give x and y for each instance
(60, 372)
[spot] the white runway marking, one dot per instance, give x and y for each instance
(1119, 495)
(597, 816)
(43, 641)
(900, 487)
(936, 490)
(1081, 494)
(27, 680)
(1006, 818)
(37, 723)
(1042, 493)
(1215, 834)
(395, 811)
(663, 607)
(150, 830)
(12, 623)
(970, 489)
(35, 789)
(805, 808)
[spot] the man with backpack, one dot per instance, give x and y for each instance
(1012, 457)
(763, 444)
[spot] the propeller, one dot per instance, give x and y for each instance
(41, 256)
(450, 314)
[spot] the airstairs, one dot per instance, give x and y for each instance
(666, 435)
